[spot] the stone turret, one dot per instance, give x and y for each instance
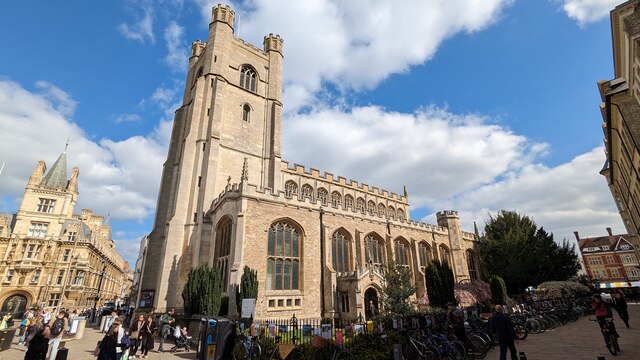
(223, 14)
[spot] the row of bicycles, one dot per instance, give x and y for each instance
(443, 344)
(432, 342)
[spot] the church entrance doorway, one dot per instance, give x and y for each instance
(371, 302)
(14, 304)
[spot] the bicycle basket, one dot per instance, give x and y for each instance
(285, 349)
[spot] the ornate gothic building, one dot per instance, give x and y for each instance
(319, 242)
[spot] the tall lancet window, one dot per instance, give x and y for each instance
(223, 250)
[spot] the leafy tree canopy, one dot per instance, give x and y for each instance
(396, 291)
(514, 249)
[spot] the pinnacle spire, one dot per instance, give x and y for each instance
(56, 177)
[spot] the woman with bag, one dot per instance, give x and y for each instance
(136, 336)
(148, 330)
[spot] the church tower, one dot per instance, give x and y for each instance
(231, 113)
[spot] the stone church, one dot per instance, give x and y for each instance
(319, 242)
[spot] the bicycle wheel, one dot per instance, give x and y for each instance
(255, 351)
(521, 331)
(610, 339)
(615, 343)
(478, 347)
(344, 355)
(239, 352)
(456, 351)
(296, 355)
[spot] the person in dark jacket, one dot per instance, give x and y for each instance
(109, 343)
(38, 344)
(502, 326)
(136, 336)
(148, 330)
(620, 303)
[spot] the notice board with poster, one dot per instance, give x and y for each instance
(146, 298)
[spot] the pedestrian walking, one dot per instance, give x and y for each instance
(502, 326)
(136, 336)
(166, 321)
(620, 304)
(148, 331)
(58, 326)
(455, 319)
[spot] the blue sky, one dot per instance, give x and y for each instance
(475, 106)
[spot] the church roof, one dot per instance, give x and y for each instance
(56, 177)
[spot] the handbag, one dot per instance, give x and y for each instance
(135, 335)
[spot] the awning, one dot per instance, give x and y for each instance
(621, 284)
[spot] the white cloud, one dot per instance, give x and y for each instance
(123, 118)
(142, 29)
(435, 153)
(111, 179)
(177, 57)
(64, 104)
(569, 197)
(588, 11)
(355, 44)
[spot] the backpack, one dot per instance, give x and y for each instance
(58, 326)
(125, 343)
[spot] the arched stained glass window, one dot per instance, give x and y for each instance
(248, 78)
(223, 250)
(371, 207)
(283, 257)
(360, 205)
(373, 250)
(401, 215)
(381, 210)
(472, 263)
(444, 254)
(424, 252)
(341, 251)
(403, 255)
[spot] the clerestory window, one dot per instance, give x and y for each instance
(290, 189)
(341, 251)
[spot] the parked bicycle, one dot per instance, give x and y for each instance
(324, 350)
(247, 348)
(285, 351)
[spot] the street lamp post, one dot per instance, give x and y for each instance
(95, 304)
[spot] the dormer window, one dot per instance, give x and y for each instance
(248, 78)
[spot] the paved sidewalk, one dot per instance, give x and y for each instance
(581, 340)
(83, 349)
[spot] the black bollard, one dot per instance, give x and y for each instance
(523, 356)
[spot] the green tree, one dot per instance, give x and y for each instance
(498, 290)
(513, 248)
(440, 284)
(396, 291)
(248, 286)
(201, 295)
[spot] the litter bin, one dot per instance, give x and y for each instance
(216, 338)
(6, 338)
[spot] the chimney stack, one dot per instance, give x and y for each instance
(609, 231)
(577, 236)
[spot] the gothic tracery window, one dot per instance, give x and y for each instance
(373, 250)
(348, 202)
(381, 210)
(290, 188)
(341, 251)
(307, 192)
(322, 196)
(424, 252)
(284, 246)
(392, 212)
(444, 255)
(248, 78)
(336, 199)
(400, 214)
(222, 251)
(360, 205)
(472, 264)
(371, 207)
(401, 248)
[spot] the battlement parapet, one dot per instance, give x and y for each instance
(197, 48)
(273, 43)
(298, 169)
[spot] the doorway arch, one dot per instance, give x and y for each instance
(15, 304)
(372, 305)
